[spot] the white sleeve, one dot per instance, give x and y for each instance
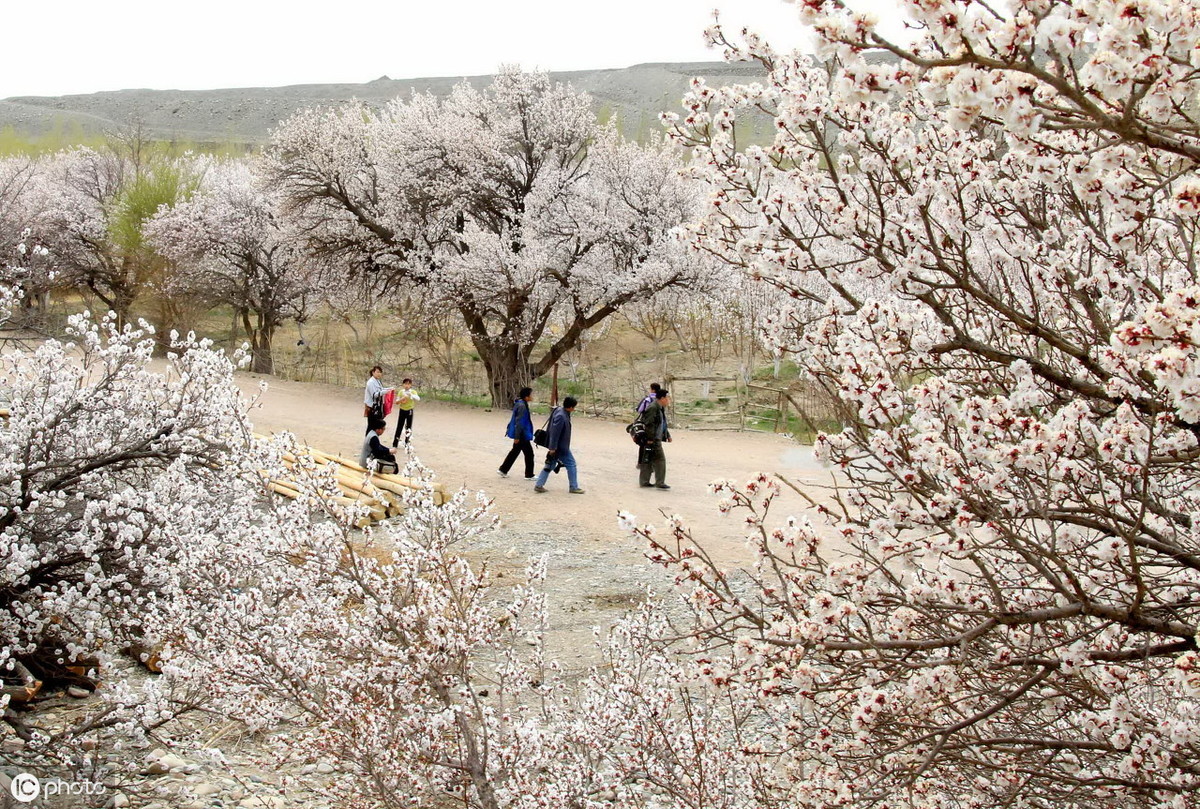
(374, 389)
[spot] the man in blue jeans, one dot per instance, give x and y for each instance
(559, 449)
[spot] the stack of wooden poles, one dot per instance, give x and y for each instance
(381, 493)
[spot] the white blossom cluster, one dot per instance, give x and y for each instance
(996, 226)
(233, 245)
(110, 470)
(508, 205)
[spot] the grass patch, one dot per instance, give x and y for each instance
(787, 370)
(797, 427)
(474, 400)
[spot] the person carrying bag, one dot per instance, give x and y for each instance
(541, 437)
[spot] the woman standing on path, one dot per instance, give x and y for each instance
(520, 430)
(373, 395)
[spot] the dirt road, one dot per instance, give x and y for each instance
(465, 445)
(596, 571)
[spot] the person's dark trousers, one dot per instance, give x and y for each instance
(403, 422)
(519, 446)
(657, 465)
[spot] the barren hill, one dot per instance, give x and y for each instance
(635, 95)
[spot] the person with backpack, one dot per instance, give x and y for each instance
(558, 448)
(651, 458)
(520, 430)
(648, 399)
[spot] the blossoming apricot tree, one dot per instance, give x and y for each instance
(110, 469)
(91, 207)
(998, 224)
(233, 247)
(23, 264)
(508, 205)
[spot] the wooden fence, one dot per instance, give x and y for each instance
(728, 403)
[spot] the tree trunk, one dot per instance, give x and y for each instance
(508, 370)
(261, 334)
(234, 324)
(122, 304)
(261, 359)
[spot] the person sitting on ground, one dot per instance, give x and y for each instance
(374, 450)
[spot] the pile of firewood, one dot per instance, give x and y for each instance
(379, 492)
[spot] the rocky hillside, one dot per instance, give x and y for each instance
(635, 95)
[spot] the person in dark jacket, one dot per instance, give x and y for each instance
(373, 448)
(652, 458)
(520, 430)
(559, 450)
(649, 398)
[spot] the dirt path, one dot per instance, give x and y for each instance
(596, 571)
(465, 445)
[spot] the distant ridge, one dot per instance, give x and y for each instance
(634, 95)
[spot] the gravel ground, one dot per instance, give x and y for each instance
(595, 574)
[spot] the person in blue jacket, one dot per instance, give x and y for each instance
(559, 451)
(520, 430)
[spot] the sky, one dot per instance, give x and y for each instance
(86, 46)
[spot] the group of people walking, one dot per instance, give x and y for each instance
(556, 439)
(555, 435)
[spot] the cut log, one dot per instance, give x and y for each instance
(402, 485)
(149, 656)
(27, 690)
(358, 485)
(279, 487)
(21, 693)
(327, 458)
(376, 512)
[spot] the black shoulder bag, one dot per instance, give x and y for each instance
(542, 437)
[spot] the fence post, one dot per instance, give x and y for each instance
(741, 400)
